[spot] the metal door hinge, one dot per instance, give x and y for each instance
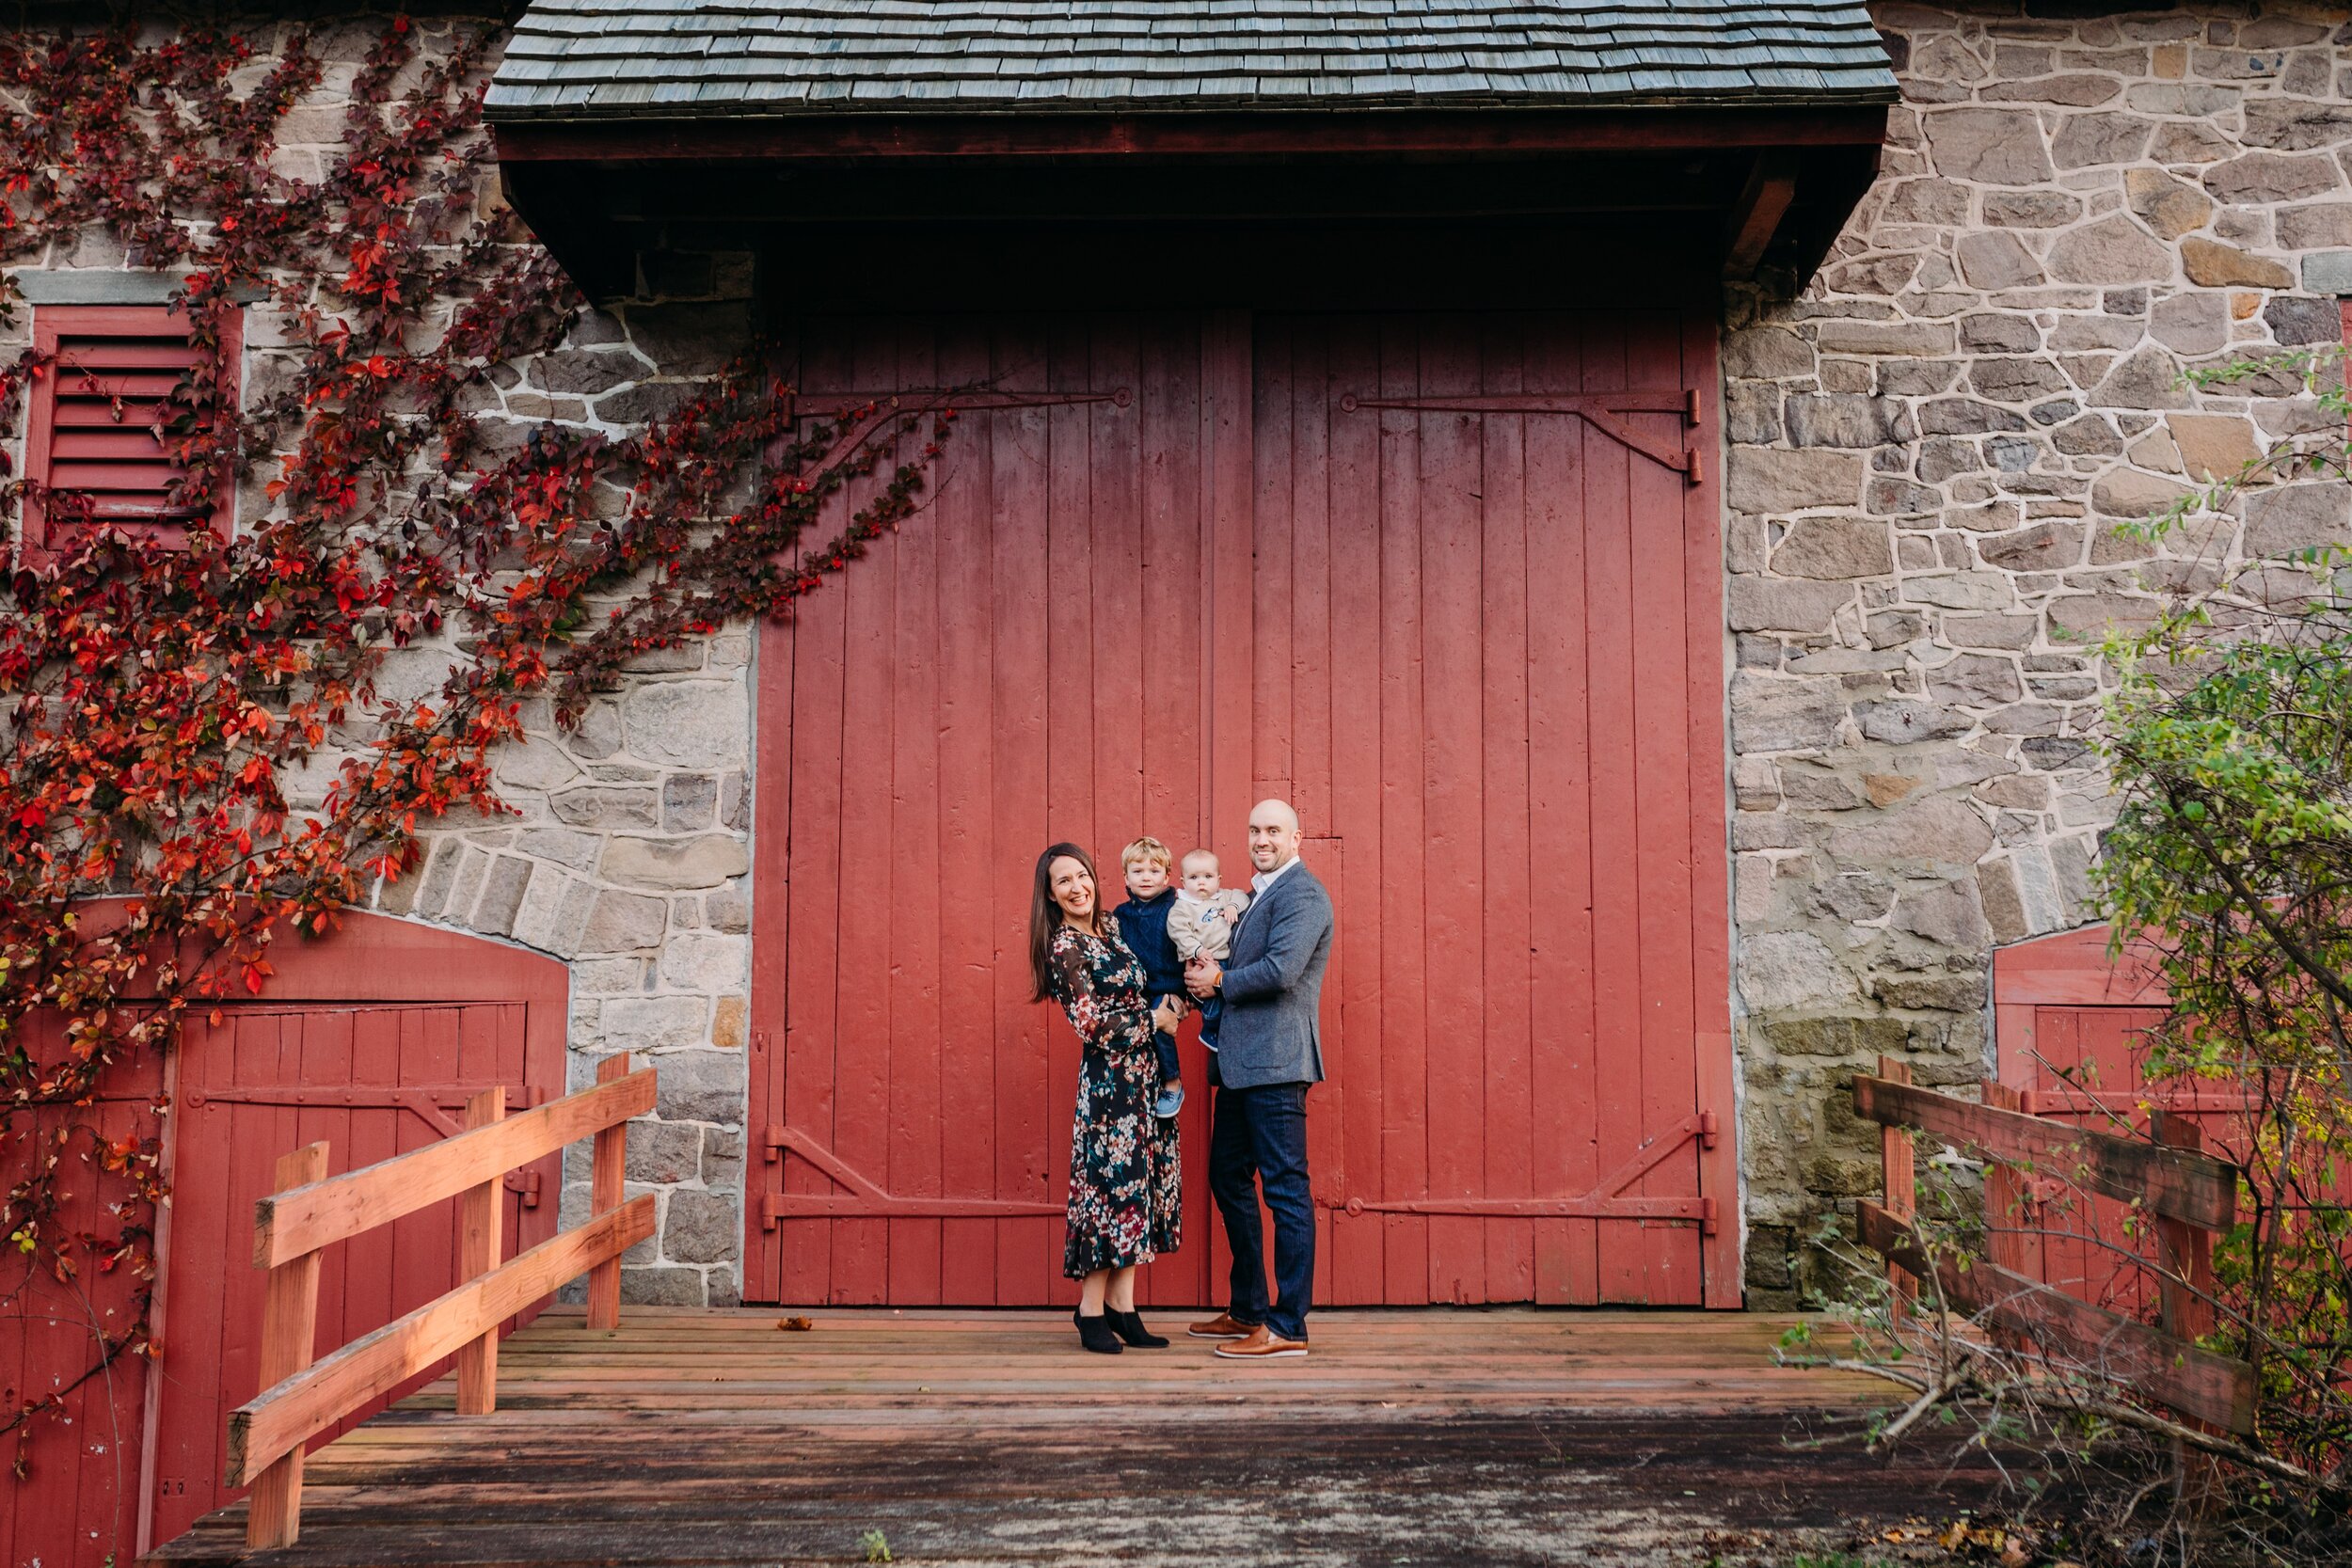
(1602, 411)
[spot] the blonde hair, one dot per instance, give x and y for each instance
(1146, 848)
(1192, 855)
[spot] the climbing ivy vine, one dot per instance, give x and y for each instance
(161, 702)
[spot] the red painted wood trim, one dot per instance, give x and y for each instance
(1367, 133)
(771, 786)
(2073, 969)
(158, 1325)
(380, 958)
(1722, 1251)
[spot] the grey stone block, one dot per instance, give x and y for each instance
(1778, 604)
(702, 1086)
(664, 1152)
(1769, 715)
(661, 1286)
(2329, 273)
(1832, 549)
(700, 1227)
(1789, 969)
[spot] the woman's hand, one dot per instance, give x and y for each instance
(1169, 1014)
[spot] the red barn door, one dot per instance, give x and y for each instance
(1487, 629)
(1451, 584)
(1025, 662)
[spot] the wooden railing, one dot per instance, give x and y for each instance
(309, 1211)
(2191, 1194)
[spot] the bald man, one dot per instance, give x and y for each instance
(1269, 1049)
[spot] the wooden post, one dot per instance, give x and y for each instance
(2184, 1302)
(2186, 1288)
(290, 1310)
(2005, 1207)
(604, 1195)
(477, 1255)
(1896, 1157)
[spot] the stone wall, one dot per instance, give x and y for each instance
(629, 852)
(1929, 448)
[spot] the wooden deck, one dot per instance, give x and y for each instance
(1504, 1438)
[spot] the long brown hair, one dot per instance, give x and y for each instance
(1045, 915)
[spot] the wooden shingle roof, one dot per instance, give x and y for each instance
(644, 60)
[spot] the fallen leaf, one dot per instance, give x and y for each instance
(794, 1325)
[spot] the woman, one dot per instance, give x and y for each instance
(1123, 1175)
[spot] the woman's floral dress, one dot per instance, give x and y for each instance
(1125, 1178)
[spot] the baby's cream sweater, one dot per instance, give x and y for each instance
(1198, 925)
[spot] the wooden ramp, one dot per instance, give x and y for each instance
(1502, 1437)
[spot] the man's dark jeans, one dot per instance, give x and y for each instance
(1261, 1133)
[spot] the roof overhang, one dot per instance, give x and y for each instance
(1759, 184)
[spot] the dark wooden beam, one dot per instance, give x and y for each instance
(2178, 1182)
(2196, 1381)
(1756, 216)
(1366, 133)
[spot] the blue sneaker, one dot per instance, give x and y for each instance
(1171, 1100)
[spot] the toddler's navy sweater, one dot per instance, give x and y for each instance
(1143, 925)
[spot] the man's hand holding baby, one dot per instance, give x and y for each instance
(1203, 976)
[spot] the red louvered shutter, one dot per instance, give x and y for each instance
(92, 453)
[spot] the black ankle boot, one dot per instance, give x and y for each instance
(1095, 1334)
(1129, 1326)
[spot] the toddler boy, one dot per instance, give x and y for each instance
(1143, 923)
(1202, 924)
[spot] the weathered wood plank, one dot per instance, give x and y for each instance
(477, 1255)
(288, 1329)
(2195, 1382)
(607, 1161)
(1900, 1175)
(746, 1443)
(2176, 1182)
(289, 1224)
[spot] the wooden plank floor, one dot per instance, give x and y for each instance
(690, 1437)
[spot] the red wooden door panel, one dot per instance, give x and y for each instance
(78, 1499)
(2070, 1032)
(2085, 1064)
(1489, 660)
(373, 1082)
(1026, 664)
(1478, 645)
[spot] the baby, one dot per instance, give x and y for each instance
(1201, 925)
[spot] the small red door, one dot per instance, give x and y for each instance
(2072, 1027)
(1451, 584)
(371, 1082)
(138, 1457)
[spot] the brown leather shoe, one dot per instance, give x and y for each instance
(1222, 1326)
(1264, 1344)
